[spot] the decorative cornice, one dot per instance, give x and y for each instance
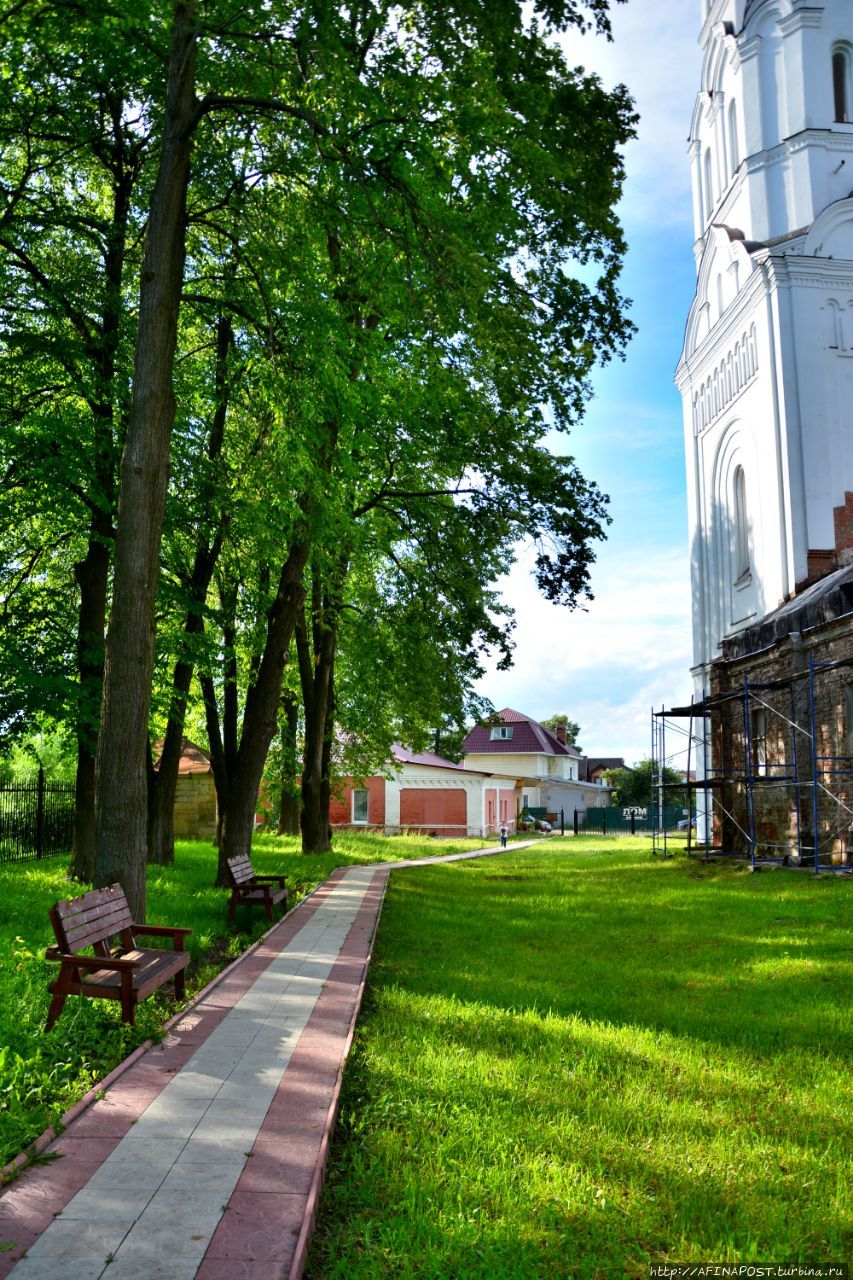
(749, 49)
(805, 17)
(725, 331)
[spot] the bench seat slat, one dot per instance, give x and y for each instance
(155, 969)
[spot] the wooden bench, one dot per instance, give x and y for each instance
(125, 972)
(250, 890)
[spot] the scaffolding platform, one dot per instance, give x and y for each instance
(769, 789)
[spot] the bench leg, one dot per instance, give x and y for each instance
(180, 985)
(128, 1005)
(268, 905)
(60, 995)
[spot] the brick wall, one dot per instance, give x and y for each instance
(195, 807)
(340, 808)
(844, 530)
(442, 811)
(770, 738)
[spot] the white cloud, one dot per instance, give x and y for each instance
(655, 52)
(606, 667)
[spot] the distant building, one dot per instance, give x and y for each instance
(595, 768)
(425, 793)
(548, 768)
(195, 793)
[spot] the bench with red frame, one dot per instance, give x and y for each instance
(249, 890)
(124, 972)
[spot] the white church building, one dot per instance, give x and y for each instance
(766, 378)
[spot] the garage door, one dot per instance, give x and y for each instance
(420, 807)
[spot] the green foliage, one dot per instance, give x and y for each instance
(562, 721)
(50, 746)
(575, 1062)
(634, 786)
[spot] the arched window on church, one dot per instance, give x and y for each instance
(842, 81)
(709, 185)
(741, 526)
(734, 149)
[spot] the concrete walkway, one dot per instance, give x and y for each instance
(204, 1160)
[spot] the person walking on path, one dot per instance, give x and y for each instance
(504, 834)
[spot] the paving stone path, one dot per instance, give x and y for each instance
(204, 1159)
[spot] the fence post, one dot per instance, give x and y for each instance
(604, 822)
(40, 814)
(633, 823)
(562, 822)
(576, 821)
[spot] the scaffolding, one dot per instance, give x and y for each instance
(773, 765)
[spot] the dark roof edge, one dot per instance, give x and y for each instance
(826, 601)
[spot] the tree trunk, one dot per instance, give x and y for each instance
(261, 711)
(288, 807)
(316, 679)
(164, 782)
(122, 800)
(91, 575)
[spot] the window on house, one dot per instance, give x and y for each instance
(501, 733)
(741, 525)
(842, 63)
(759, 741)
(360, 805)
(734, 149)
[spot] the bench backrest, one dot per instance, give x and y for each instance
(91, 919)
(240, 869)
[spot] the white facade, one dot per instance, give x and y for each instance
(766, 375)
(476, 786)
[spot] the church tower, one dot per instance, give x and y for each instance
(766, 375)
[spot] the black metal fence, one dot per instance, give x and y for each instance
(36, 819)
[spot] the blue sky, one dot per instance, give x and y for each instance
(632, 648)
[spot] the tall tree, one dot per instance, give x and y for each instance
(450, 149)
(561, 722)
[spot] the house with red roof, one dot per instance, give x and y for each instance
(551, 773)
(425, 793)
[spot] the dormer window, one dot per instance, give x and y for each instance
(842, 80)
(501, 733)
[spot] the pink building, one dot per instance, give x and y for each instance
(428, 794)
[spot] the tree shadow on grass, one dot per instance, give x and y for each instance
(707, 958)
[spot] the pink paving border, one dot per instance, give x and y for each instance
(272, 1210)
(309, 1221)
(93, 1127)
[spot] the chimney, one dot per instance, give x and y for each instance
(561, 733)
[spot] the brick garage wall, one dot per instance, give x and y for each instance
(340, 809)
(195, 807)
(774, 805)
(441, 810)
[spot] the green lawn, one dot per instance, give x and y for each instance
(576, 1061)
(42, 1075)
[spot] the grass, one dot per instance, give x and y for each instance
(577, 1061)
(42, 1075)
